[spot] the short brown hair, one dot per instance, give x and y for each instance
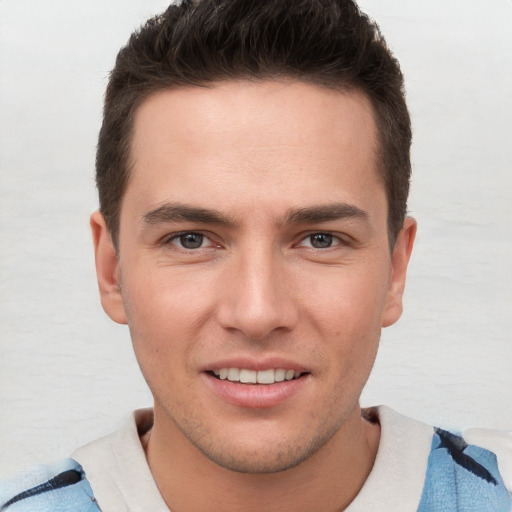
(198, 42)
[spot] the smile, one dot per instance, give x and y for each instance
(246, 376)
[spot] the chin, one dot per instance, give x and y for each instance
(263, 456)
(260, 463)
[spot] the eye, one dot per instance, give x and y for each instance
(320, 241)
(191, 240)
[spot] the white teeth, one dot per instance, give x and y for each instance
(266, 377)
(248, 376)
(279, 375)
(256, 377)
(234, 374)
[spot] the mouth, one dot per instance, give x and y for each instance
(253, 385)
(246, 376)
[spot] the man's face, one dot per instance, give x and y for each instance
(253, 246)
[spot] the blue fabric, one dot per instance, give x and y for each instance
(61, 487)
(462, 478)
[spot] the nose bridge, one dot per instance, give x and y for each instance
(256, 299)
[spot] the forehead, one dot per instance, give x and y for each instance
(257, 140)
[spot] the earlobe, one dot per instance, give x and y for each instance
(400, 260)
(107, 270)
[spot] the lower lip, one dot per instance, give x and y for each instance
(255, 396)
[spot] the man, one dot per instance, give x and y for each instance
(253, 171)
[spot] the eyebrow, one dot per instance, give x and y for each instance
(175, 212)
(325, 213)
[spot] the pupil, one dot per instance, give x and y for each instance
(191, 240)
(321, 240)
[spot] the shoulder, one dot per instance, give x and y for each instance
(59, 487)
(463, 477)
(433, 470)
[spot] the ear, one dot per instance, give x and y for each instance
(399, 261)
(107, 269)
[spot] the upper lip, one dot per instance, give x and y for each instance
(271, 363)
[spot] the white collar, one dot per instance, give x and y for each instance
(117, 469)
(398, 474)
(121, 480)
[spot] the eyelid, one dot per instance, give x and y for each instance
(340, 238)
(171, 237)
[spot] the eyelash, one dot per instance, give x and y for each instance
(176, 237)
(335, 240)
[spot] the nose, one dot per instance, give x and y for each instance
(257, 296)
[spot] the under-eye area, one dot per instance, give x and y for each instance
(245, 376)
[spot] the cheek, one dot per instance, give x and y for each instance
(159, 297)
(347, 298)
(347, 312)
(164, 314)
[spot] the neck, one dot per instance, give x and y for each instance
(329, 480)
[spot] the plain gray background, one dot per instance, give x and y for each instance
(67, 374)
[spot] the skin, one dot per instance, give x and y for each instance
(295, 268)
